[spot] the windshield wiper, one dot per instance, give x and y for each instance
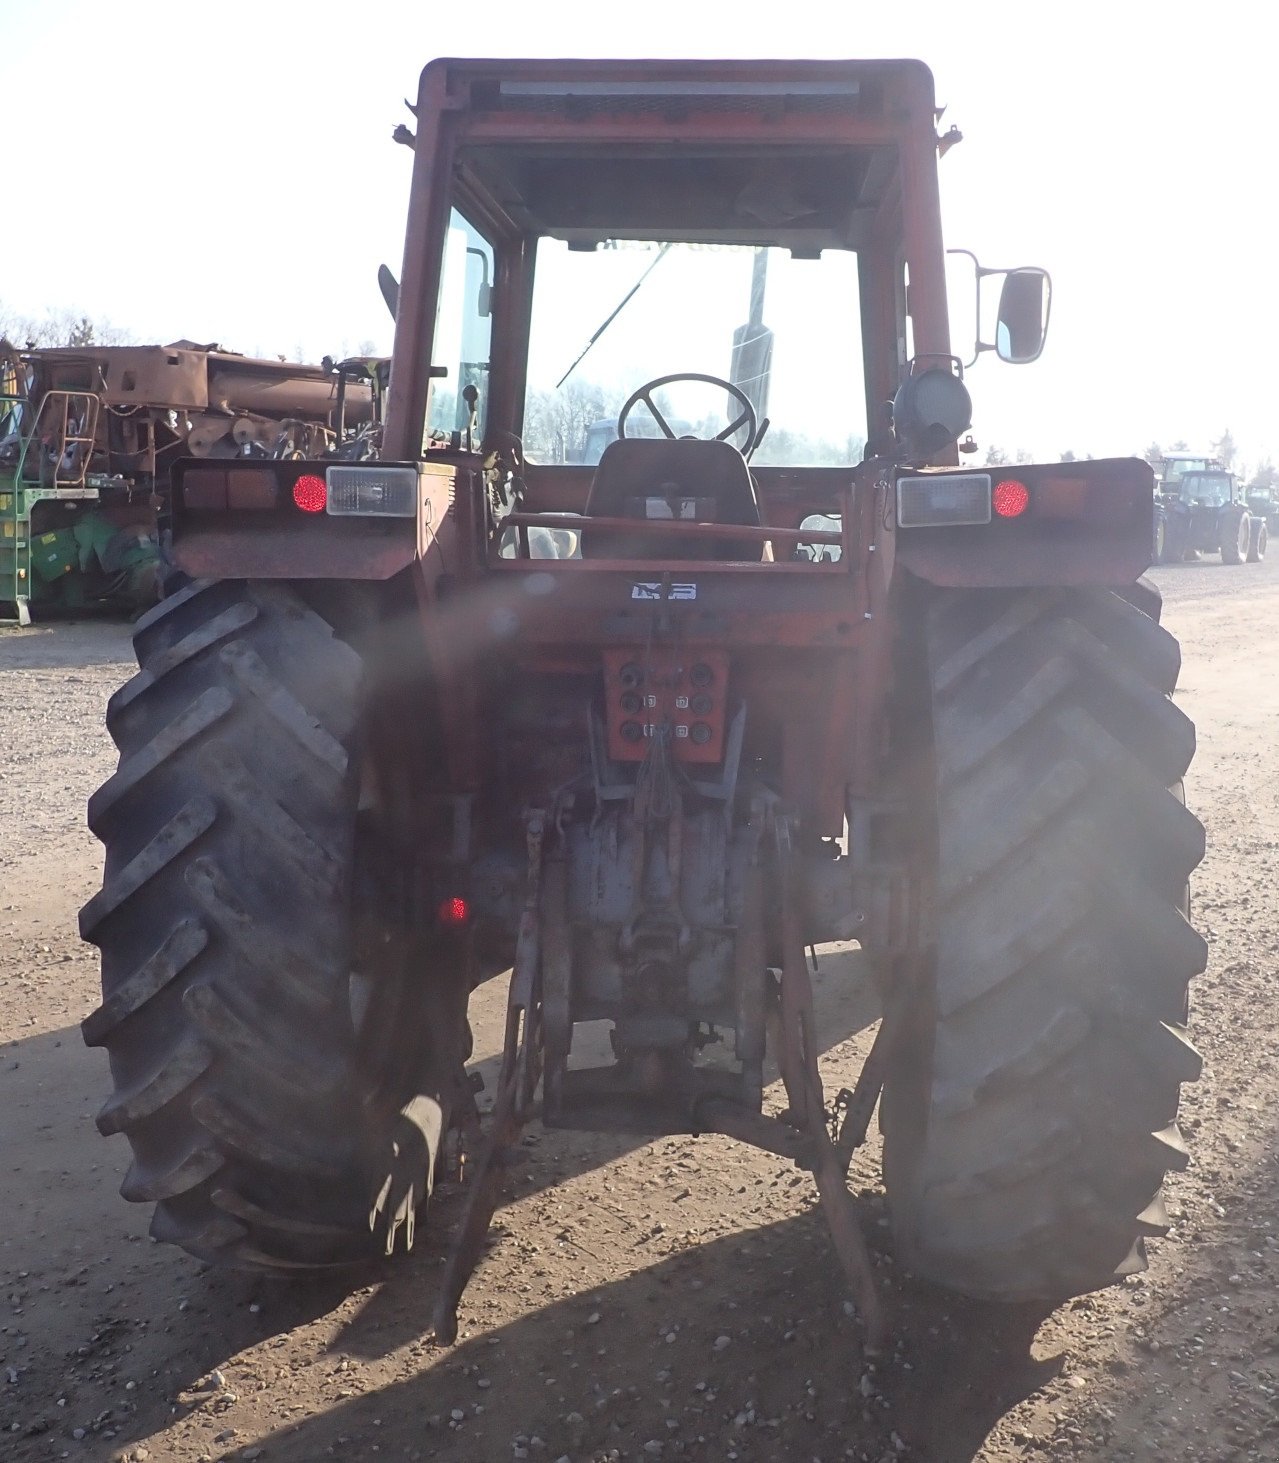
(626, 299)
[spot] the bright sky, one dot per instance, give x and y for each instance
(225, 172)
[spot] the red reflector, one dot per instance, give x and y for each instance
(1010, 498)
(309, 493)
(455, 911)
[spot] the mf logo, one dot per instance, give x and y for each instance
(654, 591)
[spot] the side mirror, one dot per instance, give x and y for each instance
(1022, 318)
(1021, 315)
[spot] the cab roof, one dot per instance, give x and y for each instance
(797, 154)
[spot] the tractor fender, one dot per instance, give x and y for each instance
(352, 550)
(1086, 523)
(243, 519)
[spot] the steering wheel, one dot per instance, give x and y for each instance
(747, 419)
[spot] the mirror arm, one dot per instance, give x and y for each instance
(979, 273)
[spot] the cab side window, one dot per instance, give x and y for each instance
(463, 327)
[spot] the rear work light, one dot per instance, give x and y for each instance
(372, 491)
(943, 499)
(1010, 498)
(309, 493)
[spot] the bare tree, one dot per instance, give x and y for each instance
(556, 422)
(781, 448)
(60, 328)
(1225, 450)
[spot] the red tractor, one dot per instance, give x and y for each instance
(640, 732)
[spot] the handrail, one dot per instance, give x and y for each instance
(674, 528)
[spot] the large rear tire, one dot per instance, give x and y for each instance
(282, 1078)
(1029, 1117)
(1236, 535)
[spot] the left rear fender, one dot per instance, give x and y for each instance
(241, 518)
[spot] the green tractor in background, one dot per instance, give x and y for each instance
(69, 536)
(88, 434)
(1263, 505)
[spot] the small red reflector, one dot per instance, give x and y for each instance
(455, 911)
(309, 493)
(1010, 498)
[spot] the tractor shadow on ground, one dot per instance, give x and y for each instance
(397, 1297)
(845, 1006)
(613, 1366)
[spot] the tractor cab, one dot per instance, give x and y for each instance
(1209, 488)
(615, 258)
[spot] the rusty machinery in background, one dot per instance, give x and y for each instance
(88, 434)
(644, 731)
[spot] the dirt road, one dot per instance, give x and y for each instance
(678, 1300)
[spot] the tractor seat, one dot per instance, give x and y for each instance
(663, 480)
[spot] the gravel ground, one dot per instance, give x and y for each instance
(675, 1300)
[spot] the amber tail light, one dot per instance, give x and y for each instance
(222, 489)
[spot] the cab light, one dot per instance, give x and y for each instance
(309, 493)
(1010, 498)
(454, 912)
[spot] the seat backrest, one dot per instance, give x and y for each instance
(706, 482)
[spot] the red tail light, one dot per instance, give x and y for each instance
(453, 912)
(1010, 498)
(309, 493)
